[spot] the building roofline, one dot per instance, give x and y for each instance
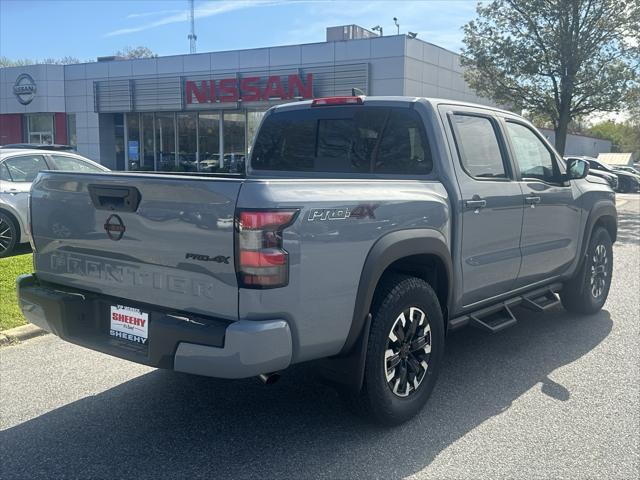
(243, 50)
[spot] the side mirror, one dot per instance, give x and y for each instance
(577, 169)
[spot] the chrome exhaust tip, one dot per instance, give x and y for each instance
(269, 378)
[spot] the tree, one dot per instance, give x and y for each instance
(557, 59)
(625, 136)
(137, 52)
(21, 62)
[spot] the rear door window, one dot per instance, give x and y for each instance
(72, 164)
(343, 140)
(24, 168)
(478, 146)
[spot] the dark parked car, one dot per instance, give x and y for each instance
(627, 182)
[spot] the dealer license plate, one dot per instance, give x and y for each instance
(129, 323)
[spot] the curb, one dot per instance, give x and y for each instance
(19, 334)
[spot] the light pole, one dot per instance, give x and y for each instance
(395, 20)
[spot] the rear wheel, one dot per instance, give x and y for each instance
(406, 343)
(8, 235)
(587, 291)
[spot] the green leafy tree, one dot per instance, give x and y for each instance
(557, 59)
(8, 62)
(625, 136)
(136, 52)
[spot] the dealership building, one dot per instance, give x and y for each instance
(177, 112)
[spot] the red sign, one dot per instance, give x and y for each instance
(248, 89)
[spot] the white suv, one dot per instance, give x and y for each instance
(19, 166)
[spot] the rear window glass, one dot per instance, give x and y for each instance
(72, 164)
(343, 140)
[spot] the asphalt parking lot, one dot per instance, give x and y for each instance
(556, 396)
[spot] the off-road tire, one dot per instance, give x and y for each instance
(579, 294)
(395, 295)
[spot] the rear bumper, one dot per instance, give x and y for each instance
(191, 344)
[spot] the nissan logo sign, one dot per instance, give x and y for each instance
(25, 88)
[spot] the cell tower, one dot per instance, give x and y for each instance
(192, 36)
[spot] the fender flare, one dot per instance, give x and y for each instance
(388, 249)
(599, 210)
(347, 368)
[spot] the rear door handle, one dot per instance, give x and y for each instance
(476, 204)
(532, 200)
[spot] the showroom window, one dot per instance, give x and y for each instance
(188, 141)
(72, 130)
(165, 129)
(40, 128)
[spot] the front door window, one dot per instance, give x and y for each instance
(532, 156)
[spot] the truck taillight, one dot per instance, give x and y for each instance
(261, 261)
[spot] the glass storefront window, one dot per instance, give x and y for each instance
(209, 140)
(187, 141)
(72, 134)
(148, 150)
(165, 141)
(253, 122)
(40, 128)
(133, 140)
(118, 124)
(234, 142)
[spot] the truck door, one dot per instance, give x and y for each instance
(551, 224)
(491, 206)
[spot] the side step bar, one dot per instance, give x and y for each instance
(541, 303)
(494, 322)
(499, 316)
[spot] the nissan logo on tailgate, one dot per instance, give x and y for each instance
(114, 227)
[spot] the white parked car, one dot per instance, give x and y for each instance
(19, 165)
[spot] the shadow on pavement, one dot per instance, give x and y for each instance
(165, 424)
(628, 227)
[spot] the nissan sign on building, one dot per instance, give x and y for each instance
(199, 112)
(248, 89)
(25, 88)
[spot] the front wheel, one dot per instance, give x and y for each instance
(406, 344)
(587, 291)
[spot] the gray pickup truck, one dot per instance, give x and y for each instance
(364, 231)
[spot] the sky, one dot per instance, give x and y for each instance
(38, 29)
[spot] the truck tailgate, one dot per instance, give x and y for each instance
(155, 239)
